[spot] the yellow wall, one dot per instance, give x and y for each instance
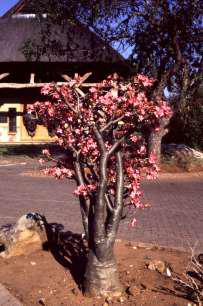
(21, 135)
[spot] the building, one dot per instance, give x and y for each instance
(28, 59)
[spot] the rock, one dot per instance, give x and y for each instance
(121, 299)
(75, 291)
(41, 301)
(157, 265)
(33, 263)
(133, 290)
(147, 246)
(200, 259)
(143, 286)
(179, 150)
(108, 300)
(26, 236)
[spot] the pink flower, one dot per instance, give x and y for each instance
(46, 89)
(58, 172)
(142, 150)
(67, 172)
(134, 138)
(92, 187)
(153, 158)
(41, 161)
(145, 80)
(93, 89)
(133, 222)
(51, 111)
(81, 190)
(46, 152)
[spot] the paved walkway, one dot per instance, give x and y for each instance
(175, 219)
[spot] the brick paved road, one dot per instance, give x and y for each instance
(175, 219)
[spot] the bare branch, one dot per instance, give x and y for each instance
(112, 122)
(69, 105)
(84, 206)
(100, 207)
(116, 145)
(114, 220)
(108, 202)
(84, 78)
(99, 139)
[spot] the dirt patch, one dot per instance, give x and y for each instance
(39, 279)
(188, 168)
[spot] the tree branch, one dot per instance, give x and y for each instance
(68, 104)
(114, 220)
(99, 139)
(111, 123)
(99, 225)
(108, 203)
(84, 206)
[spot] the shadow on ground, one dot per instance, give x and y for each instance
(69, 249)
(29, 150)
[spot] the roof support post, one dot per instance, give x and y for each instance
(32, 78)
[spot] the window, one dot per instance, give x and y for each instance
(12, 120)
(3, 117)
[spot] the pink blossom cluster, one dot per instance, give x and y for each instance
(118, 110)
(84, 190)
(59, 172)
(145, 80)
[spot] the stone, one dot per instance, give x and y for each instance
(147, 246)
(133, 290)
(24, 237)
(6, 299)
(75, 291)
(41, 301)
(121, 299)
(109, 300)
(200, 259)
(33, 263)
(157, 265)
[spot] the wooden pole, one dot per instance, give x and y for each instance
(4, 75)
(32, 78)
(38, 85)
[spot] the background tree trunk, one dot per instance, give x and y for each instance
(155, 139)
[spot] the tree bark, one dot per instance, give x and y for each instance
(84, 208)
(101, 278)
(155, 139)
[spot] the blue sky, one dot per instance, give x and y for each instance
(5, 5)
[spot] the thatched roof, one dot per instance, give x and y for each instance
(17, 33)
(19, 6)
(20, 41)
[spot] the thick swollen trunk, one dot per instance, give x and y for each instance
(101, 278)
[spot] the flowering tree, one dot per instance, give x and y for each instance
(105, 131)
